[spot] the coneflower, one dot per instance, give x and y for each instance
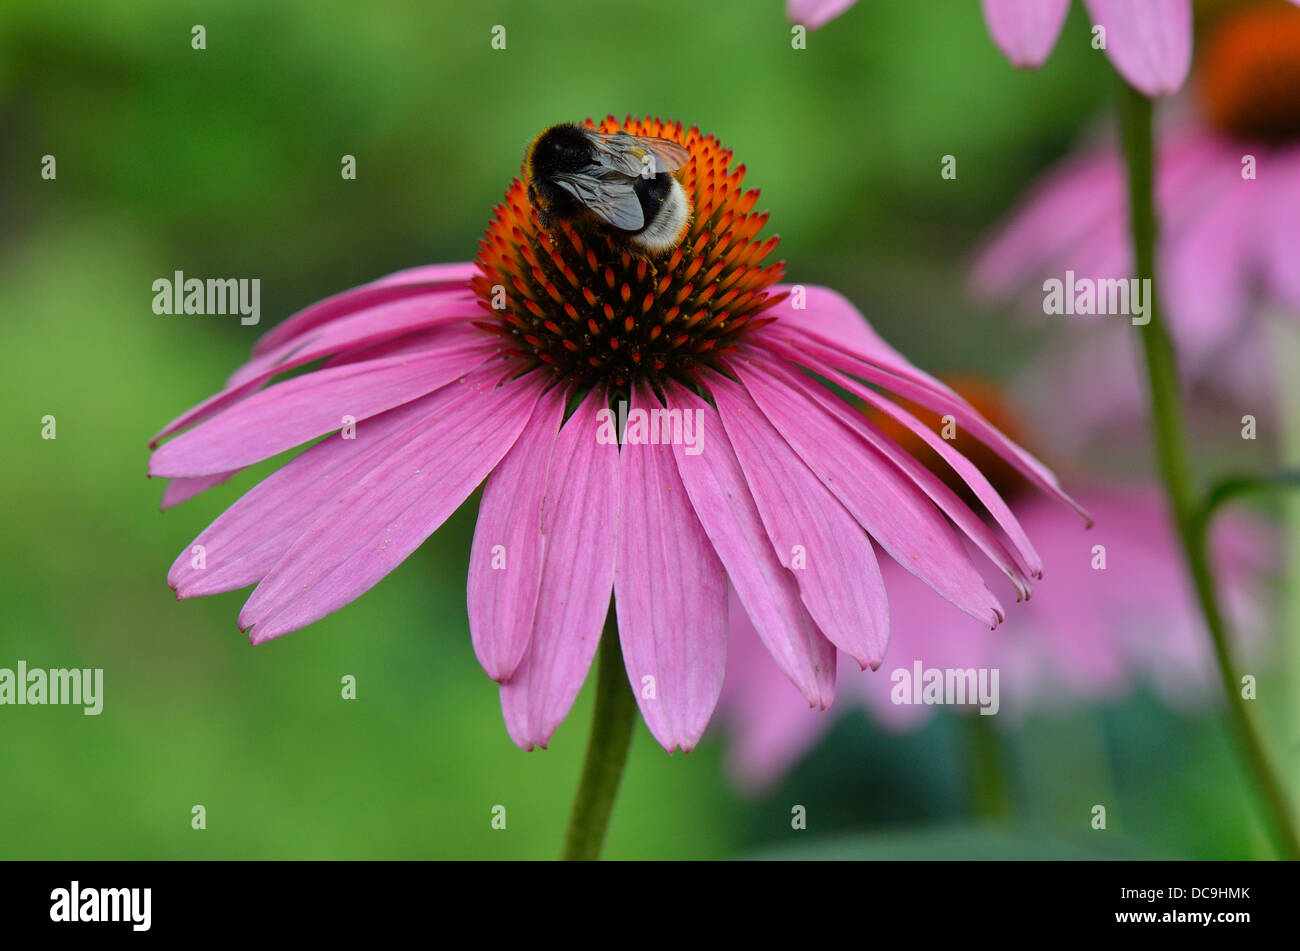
(1149, 41)
(564, 370)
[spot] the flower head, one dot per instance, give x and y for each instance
(646, 426)
(592, 312)
(1149, 41)
(1228, 197)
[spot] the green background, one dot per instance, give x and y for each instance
(226, 161)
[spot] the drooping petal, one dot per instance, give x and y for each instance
(670, 593)
(397, 286)
(1150, 42)
(768, 722)
(938, 492)
(182, 490)
(969, 473)
(373, 525)
(879, 496)
(725, 506)
(248, 539)
(289, 414)
(828, 313)
(815, 14)
(367, 328)
(579, 515)
(505, 560)
(1025, 30)
(815, 537)
(900, 377)
(365, 331)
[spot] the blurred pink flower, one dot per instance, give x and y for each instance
(1149, 41)
(427, 389)
(1086, 636)
(1228, 198)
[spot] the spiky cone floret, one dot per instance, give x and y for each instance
(592, 309)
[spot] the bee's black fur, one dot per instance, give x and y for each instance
(566, 148)
(560, 149)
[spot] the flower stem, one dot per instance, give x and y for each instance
(990, 791)
(1287, 346)
(611, 736)
(1173, 459)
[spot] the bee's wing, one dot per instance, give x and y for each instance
(627, 153)
(609, 197)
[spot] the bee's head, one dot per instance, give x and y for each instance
(561, 148)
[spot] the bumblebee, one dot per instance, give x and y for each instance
(621, 181)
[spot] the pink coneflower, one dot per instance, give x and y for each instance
(1149, 41)
(506, 370)
(1118, 612)
(1228, 196)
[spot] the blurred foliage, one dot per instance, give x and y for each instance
(226, 161)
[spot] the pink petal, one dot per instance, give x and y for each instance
(366, 328)
(1025, 30)
(939, 493)
(182, 490)
(394, 287)
(769, 723)
(1059, 213)
(409, 344)
(1076, 217)
(300, 409)
(248, 539)
(892, 372)
(1207, 266)
(457, 272)
(829, 314)
(670, 593)
(840, 582)
(970, 474)
(1284, 235)
(372, 526)
(348, 334)
(816, 13)
(1149, 41)
(877, 495)
(722, 501)
(505, 560)
(579, 514)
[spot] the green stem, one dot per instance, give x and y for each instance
(990, 791)
(1287, 347)
(611, 736)
(1173, 460)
